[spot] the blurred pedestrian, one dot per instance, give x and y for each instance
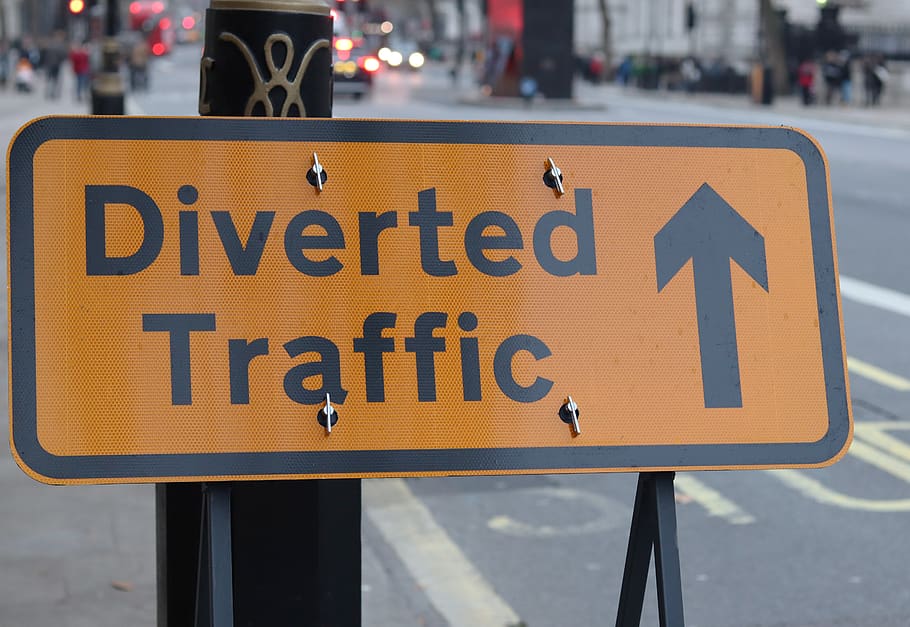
(846, 79)
(54, 56)
(832, 74)
(806, 79)
(875, 76)
(25, 75)
(26, 48)
(138, 64)
(691, 74)
(4, 64)
(596, 67)
(81, 68)
(624, 71)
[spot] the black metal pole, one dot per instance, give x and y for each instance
(296, 544)
(215, 583)
(107, 86)
(653, 525)
(638, 555)
(666, 552)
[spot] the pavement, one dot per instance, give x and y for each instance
(889, 115)
(85, 556)
(590, 97)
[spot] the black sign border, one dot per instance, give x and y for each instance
(123, 468)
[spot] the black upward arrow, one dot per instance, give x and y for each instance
(710, 232)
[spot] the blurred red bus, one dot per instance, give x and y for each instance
(151, 18)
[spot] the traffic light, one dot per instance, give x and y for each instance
(76, 7)
(691, 16)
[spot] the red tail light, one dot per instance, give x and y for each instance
(370, 64)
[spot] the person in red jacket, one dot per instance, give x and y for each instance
(80, 62)
(806, 79)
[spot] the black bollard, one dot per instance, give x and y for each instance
(296, 544)
(107, 86)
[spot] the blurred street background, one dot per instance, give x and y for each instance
(763, 549)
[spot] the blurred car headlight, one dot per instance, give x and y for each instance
(395, 59)
(416, 60)
(370, 64)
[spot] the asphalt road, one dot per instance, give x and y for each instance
(771, 548)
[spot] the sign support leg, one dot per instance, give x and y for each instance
(653, 525)
(215, 581)
(295, 552)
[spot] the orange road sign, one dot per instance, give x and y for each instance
(250, 299)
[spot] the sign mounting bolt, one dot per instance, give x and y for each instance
(327, 416)
(316, 176)
(553, 177)
(568, 413)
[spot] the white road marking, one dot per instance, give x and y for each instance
(713, 501)
(868, 294)
(886, 299)
(453, 585)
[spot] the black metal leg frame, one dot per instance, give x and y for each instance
(215, 582)
(653, 524)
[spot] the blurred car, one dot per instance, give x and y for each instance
(142, 10)
(354, 68)
(160, 34)
(402, 55)
(155, 23)
(188, 25)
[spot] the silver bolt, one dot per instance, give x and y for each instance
(317, 170)
(572, 408)
(328, 410)
(556, 173)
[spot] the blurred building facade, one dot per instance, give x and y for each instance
(32, 17)
(729, 29)
(725, 29)
(18, 17)
(716, 29)
(413, 18)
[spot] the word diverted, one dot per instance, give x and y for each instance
(185, 304)
(245, 256)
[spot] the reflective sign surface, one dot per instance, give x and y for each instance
(184, 299)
